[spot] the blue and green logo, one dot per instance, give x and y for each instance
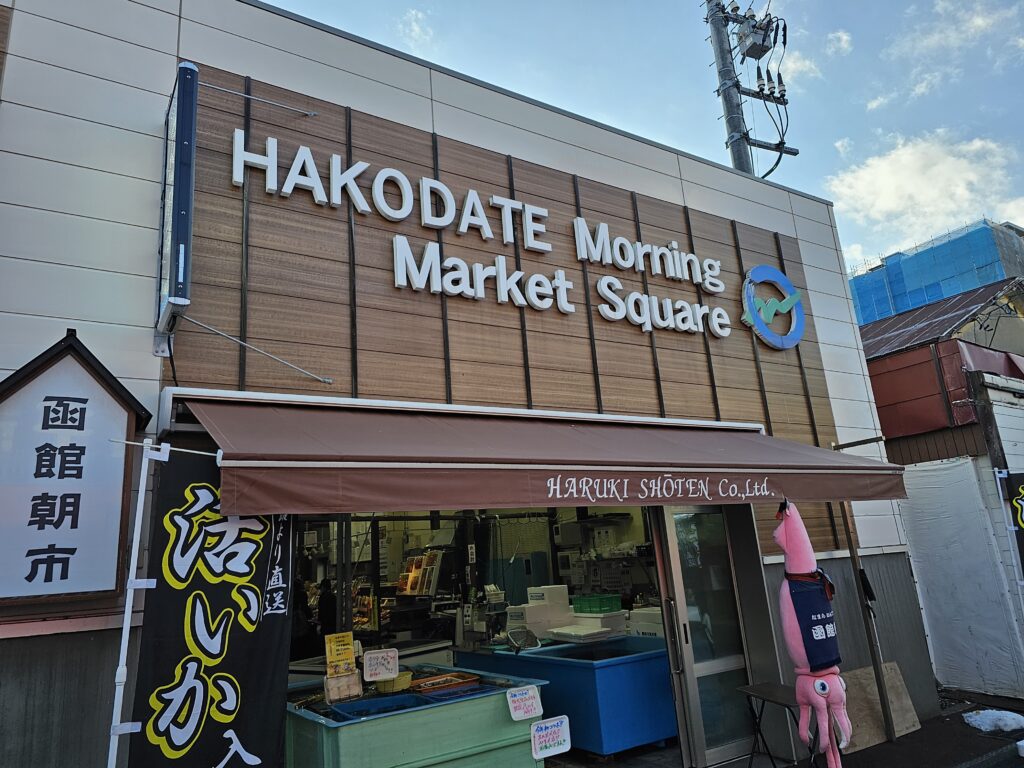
(759, 313)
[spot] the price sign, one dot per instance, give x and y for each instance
(380, 665)
(341, 654)
(550, 737)
(524, 703)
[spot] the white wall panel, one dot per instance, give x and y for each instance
(730, 207)
(31, 233)
(1010, 421)
(855, 434)
(516, 112)
(810, 209)
(308, 42)
(82, 51)
(54, 186)
(126, 350)
(36, 133)
(168, 6)
(842, 359)
(49, 87)
(535, 148)
(821, 256)
(825, 305)
(72, 293)
(840, 334)
(212, 47)
(815, 232)
(853, 413)
(135, 23)
(849, 386)
(735, 184)
(826, 281)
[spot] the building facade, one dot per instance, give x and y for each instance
(944, 378)
(336, 268)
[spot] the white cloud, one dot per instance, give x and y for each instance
(925, 185)
(839, 43)
(843, 146)
(926, 81)
(880, 101)
(796, 68)
(416, 32)
(1011, 210)
(953, 28)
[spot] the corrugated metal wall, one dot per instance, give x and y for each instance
(56, 696)
(900, 627)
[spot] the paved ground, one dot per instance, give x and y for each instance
(942, 742)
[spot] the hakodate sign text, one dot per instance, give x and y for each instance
(393, 197)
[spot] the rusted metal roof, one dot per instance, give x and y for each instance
(932, 322)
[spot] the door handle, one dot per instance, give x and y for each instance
(674, 619)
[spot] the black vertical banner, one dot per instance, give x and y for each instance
(213, 665)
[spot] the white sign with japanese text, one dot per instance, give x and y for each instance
(63, 481)
(524, 703)
(550, 737)
(380, 665)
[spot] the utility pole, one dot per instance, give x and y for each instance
(728, 90)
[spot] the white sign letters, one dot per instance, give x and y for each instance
(394, 197)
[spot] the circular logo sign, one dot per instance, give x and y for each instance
(759, 313)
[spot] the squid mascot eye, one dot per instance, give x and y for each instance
(809, 628)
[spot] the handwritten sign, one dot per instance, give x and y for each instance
(341, 654)
(550, 737)
(524, 703)
(380, 665)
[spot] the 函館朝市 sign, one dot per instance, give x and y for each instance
(63, 470)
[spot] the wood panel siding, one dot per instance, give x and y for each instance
(946, 443)
(5, 32)
(284, 272)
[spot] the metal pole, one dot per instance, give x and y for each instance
(339, 575)
(732, 104)
(870, 631)
(117, 729)
(346, 543)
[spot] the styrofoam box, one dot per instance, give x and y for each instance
(553, 594)
(650, 615)
(616, 620)
(645, 630)
(529, 614)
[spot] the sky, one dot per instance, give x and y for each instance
(907, 115)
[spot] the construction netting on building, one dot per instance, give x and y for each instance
(967, 258)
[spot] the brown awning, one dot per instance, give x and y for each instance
(296, 459)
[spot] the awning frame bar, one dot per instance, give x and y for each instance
(170, 394)
(668, 470)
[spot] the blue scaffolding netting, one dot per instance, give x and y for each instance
(968, 258)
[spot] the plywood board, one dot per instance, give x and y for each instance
(862, 704)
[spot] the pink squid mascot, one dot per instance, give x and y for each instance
(809, 626)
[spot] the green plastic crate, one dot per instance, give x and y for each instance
(596, 603)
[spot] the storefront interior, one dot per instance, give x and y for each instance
(446, 587)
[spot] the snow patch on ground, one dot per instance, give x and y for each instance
(989, 720)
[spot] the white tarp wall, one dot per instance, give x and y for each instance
(968, 605)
